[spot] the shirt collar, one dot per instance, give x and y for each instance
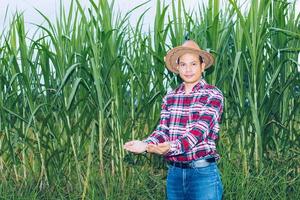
(196, 87)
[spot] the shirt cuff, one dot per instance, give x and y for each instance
(151, 140)
(173, 148)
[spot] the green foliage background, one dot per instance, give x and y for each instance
(73, 93)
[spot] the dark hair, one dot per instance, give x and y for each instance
(200, 59)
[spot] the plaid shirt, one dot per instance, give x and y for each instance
(190, 122)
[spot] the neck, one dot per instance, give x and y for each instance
(189, 86)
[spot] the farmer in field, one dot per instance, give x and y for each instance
(188, 128)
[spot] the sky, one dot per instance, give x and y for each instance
(51, 8)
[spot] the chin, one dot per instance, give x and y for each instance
(190, 80)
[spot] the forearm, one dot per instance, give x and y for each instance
(188, 140)
(158, 136)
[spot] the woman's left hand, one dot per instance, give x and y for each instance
(161, 148)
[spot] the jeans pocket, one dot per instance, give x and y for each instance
(205, 171)
(205, 183)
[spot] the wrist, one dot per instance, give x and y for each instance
(145, 150)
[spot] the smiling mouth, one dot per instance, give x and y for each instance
(189, 76)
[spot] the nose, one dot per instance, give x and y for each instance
(189, 68)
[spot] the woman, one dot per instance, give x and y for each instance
(188, 128)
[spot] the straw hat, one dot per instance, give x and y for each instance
(188, 46)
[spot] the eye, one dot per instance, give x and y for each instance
(182, 64)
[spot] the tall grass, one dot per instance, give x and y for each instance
(73, 93)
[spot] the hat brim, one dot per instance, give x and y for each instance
(175, 53)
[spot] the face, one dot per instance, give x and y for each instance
(190, 69)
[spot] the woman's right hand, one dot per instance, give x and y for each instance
(135, 146)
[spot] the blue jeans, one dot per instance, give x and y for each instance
(194, 183)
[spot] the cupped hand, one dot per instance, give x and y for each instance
(161, 148)
(135, 146)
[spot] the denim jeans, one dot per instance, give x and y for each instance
(194, 183)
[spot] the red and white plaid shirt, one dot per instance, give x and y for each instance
(190, 122)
